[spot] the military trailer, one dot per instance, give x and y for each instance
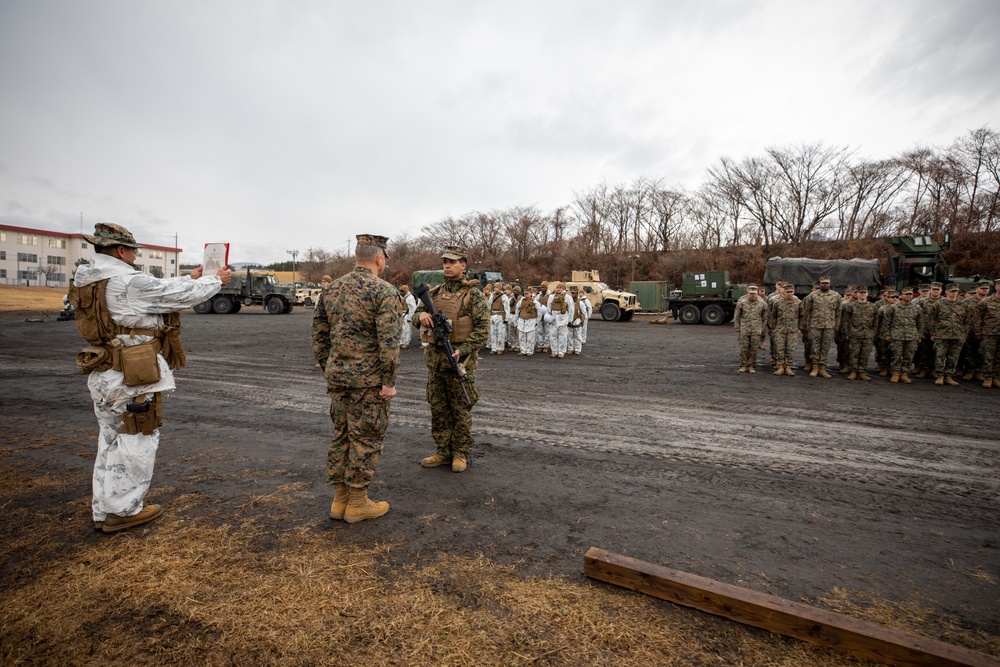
(254, 288)
(803, 272)
(706, 297)
(614, 306)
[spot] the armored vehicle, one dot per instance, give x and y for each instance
(254, 288)
(614, 306)
(706, 297)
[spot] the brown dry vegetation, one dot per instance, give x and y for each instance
(16, 299)
(194, 588)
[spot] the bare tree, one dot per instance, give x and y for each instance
(868, 194)
(809, 181)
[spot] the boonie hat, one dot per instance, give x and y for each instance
(108, 234)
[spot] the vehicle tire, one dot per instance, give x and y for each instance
(203, 308)
(248, 301)
(236, 307)
(627, 315)
(274, 306)
(713, 314)
(610, 312)
(222, 305)
(308, 302)
(689, 314)
(288, 307)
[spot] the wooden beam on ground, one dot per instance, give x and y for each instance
(793, 619)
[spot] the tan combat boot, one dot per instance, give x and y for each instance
(113, 522)
(779, 370)
(789, 371)
(824, 374)
(807, 367)
(341, 495)
(743, 369)
(949, 380)
(852, 376)
(987, 383)
(864, 376)
(939, 380)
(435, 461)
(979, 376)
(884, 372)
(459, 464)
(359, 507)
(921, 374)
(843, 369)
(905, 379)
(815, 371)
(967, 376)
(751, 369)
(895, 377)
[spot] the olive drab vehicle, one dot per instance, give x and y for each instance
(706, 297)
(254, 288)
(915, 260)
(614, 306)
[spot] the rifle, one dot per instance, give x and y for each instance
(442, 332)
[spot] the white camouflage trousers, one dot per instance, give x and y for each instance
(498, 333)
(124, 466)
(558, 338)
(526, 341)
(512, 332)
(542, 335)
(575, 339)
(406, 331)
(583, 329)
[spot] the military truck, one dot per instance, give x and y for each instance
(255, 288)
(614, 306)
(803, 272)
(432, 278)
(706, 297)
(915, 260)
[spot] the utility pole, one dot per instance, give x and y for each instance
(294, 254)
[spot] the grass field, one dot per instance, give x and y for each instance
(14, 299)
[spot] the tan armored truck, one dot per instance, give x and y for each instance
(613, 306)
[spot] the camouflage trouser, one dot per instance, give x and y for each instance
(844, 348)
(405, 331)
(860, 351)
(774, 348)
(820, 341)
(807, 347)
(526, 341)
(971, 358)
(512, 332)
(451, 415)
(784, 343)
(360, 418)
(883, 357)
(575, 339)
(902, 355)
(991, 356)
(498, 333)
(946, 351)
(748, 349)
(541, 335)
(925, 357)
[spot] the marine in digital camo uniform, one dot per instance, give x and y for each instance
(451, 416)
(749, 320)
(132, 322)
(819, 315)
(904, 321)
(986, 325)
(949, 321)
(783, 323)
(355, 337)
(858, 321)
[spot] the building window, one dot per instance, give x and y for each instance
(27, 257)
(84, 245)
(57, 243)
(55, 277)
(25, 275)
(58, 261)
(3, 273)
(27, 239)
(138, 252)
(3, 254)
(3, 237)
(156, 271)
(172, 262)
(155, 254)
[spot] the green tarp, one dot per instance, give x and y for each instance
(803, 272)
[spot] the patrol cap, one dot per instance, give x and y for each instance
(984, 283)
(375, 240)
(109, 234)
(326, 279)
(935, 285)
(825, 279)
(751, 288)
(952, 287)
(971, 290)
(455, 252)
(892, 294)
(924, 287)
(905, 291)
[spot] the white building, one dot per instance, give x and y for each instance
(38, 257)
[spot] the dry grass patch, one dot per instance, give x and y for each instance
(15, 299)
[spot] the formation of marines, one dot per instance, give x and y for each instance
(938, 332)
(550, 320)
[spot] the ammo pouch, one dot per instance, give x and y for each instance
(93, 358)
(137, 363)
(143, 417)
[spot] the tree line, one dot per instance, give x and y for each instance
(786, 195)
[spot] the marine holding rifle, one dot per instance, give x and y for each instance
(451, 381)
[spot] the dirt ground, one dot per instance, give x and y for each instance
(649, 445)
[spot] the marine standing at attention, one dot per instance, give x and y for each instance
(451, 414)
(355, 337)
(749, 320)
(132, 322)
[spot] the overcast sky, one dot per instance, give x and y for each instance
(287, 125)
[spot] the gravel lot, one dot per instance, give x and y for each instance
(650, 445)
